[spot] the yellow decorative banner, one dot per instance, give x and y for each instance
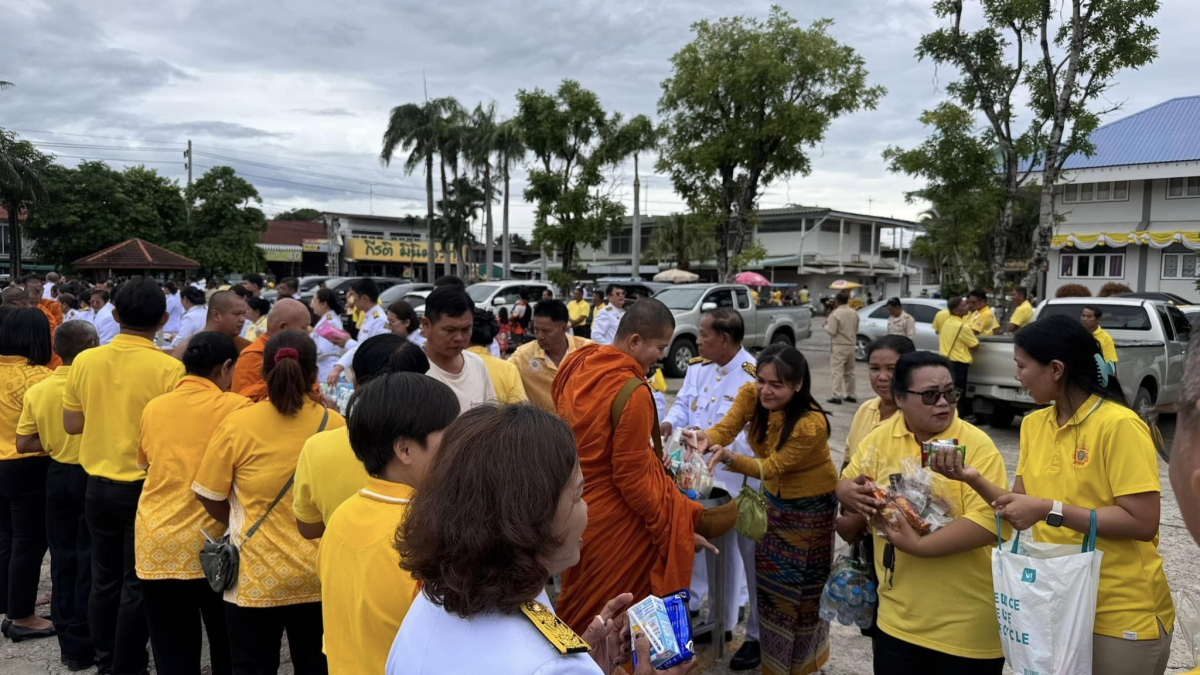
(1087, 242)
(387, 250)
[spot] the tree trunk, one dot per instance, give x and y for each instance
(1000, 242)
(14, 242)
(506, 246)
(489, 226)
(445, 220)
(429, 265)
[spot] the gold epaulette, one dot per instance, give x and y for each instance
(698, 359)
(750, 369)
(558, 633)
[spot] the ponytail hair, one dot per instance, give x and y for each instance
(1062, 338)
(207, 351)
(290, 370)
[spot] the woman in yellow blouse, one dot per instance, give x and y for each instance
(171, 526)
(248, 467)
(789, 433)
(24, 353)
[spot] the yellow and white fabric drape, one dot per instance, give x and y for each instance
(1086, 242)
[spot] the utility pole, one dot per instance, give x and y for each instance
(635, 244)
(188, 155)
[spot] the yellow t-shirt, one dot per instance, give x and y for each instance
(171, 523)
(1022, 314)
(1106, 454)
(537, 371)
(42, 416)
(328, 473)
(944, 604)
(248, 461)
(111, 385)
(505, 377)
(983, 322)
(939, 319)
(364, 593)
(956, 339)
(16, 376)
(1107, 349)
(866, 418)
(578, 310)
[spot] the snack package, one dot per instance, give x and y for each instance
(650, 618)
(328, 330)
(693, 477)
(681, 624)
(932, 447)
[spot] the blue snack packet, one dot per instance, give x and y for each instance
(674, 611)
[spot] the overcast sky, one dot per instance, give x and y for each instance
(306, 85)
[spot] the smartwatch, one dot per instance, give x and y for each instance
(1055, 517)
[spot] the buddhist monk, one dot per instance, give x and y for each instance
(640, 535)
(35, 287)
(248, 380)
(226, 312)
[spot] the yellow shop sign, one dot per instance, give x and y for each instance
(387, 250)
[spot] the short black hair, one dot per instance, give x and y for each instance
(484, 328)
(171, 287)
(555, 310)
(608, 290)
(387, 353)
(208, 350)
(32, 277)
(259, 305)
(727, 320)
(193, 295)
(843, 298)
(893, 302)
(978, 294)
(913, 361)
(953, 303)
(394, 406)
(290, 281)
(72, 338)
(329, 298)
(449, 280)
(104, 295)
(644, 318)
(25, 331)
(366, 286)
(1096, 311)
(140, 304)
(895, 343)
(241, 291)
(256, 280)
(1022, 291)
(451, 301)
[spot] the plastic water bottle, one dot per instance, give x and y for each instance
(866, 613)
(832, 599)
(848, 612)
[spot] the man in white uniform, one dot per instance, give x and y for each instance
(174, 308)
(106, 327)
(604, 326)
(709, 388)
(366, 299)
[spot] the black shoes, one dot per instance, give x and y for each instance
(19, 633)
(707, 638)
(835, 400)
(4, 626)
(851, 399)
(76, 666)
(747, 657)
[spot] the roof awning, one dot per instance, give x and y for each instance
(1087, 242)
(282, 252)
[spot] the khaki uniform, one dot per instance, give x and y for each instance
(842, 327)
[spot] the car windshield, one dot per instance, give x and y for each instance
(1121, 317)
(679, 298)
(310, 283)
(481, 292)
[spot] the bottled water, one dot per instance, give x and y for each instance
(833, 599)
(871, 596)
(848, 612)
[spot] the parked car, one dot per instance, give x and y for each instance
(764, 325)
(417, 300)
(398, 292)
(1151, 339)
(872, 323)
(308, 288)
(492, 295)
(1177, 300)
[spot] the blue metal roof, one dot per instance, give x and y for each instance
(1167, 132)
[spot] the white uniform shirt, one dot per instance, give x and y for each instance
(192, 322)
(327, 352)
(707, 393)
(376, 323)
(416, 338)
(77, 315)
(106, 326)
(174, 313)
(604, 327)
(432, 641)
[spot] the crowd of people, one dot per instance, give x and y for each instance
(414, 529)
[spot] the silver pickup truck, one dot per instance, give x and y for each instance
(764, 325)
(1151, 338)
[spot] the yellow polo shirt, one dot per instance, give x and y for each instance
(578, 310)
(42, 416)
(1107, 349)
(364, 593)
(939, 319)
(327, 474)
(960, 617)
(111, 385)
(1022, 314)
(1088, 463)
(16, 376)
(983, 322)
(866, 418)
(956, 339)
(171, 522)
(248, 461)
(537, 371)
(506, 380)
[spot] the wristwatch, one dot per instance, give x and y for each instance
(1055, 517)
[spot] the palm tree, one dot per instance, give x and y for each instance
(20, 188)
(414, 129)
(483, 144)
(451, 132)
(636, 137)
(510, 148)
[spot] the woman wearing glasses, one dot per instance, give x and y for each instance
(936, 614)
(1088, 451)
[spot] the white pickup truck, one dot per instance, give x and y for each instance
(1151, 339)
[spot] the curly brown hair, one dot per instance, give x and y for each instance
(484, 515)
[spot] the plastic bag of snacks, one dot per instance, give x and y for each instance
(693, 477)
(915, 494)
(674, 450)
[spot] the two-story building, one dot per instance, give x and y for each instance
(365, 245)
(1131, 211)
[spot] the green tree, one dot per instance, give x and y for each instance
(463, 200)
(572, 140)
(510, 152)
(681, 239)
(745, 100)
(298, 214)
(484, 138)
(514, 240)
(21, 188)
(225, 225)
(413, 128)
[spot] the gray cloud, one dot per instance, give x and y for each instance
(326, 112)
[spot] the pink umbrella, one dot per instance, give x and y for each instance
(751, 279)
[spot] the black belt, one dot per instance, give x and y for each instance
(109, 481)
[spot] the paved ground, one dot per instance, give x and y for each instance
(850, 652)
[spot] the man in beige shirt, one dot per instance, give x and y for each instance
(842, 327)
(900, 322)
(538, 361)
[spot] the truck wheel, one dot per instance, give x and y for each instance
(1002, 417)
(676, 363)
(784, 339)
(860, 348)
(1143, 405)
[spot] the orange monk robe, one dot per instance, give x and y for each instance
(639, 532)
(53, 312)
(247, 374)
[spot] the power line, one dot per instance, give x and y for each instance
(107, 138)
(315, 186)
(311, 174)
(89, 146)
(129, 160)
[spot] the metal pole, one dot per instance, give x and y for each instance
(841, 240)
(635, 246)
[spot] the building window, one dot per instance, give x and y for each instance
(4, 239)
(1092, 265)
(621, 243)
(865, 230)
(1183, 188)
(830, 226)
(1178, 266)
(1108, 191)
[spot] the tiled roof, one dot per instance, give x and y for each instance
(1167, 132)
(135, 254)
(292, 232)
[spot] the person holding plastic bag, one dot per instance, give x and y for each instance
(789, 434)
(936, 611)
(1088, 451)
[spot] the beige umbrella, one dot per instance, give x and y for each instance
(676, 276)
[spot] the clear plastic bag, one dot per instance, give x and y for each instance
(675, 448)
(1187, 614)
(693, 477)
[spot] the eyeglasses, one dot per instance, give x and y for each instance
(931, 396)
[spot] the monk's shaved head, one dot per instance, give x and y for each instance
(14, 296)
(223, 301)
(287, 314)
(648, 318)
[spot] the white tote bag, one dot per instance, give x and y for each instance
(1046, 603)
